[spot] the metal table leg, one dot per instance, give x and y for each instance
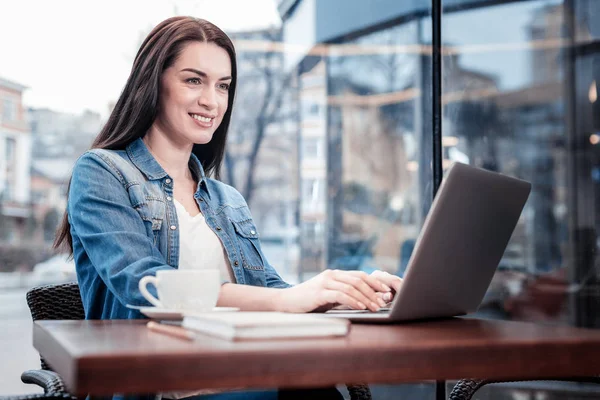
(440, 390)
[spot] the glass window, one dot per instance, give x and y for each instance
(586, 13)
(11, 147)
(516, 101)
(9, 110)
(312, 231)
(10, 169)
(312, 148)
(379, 145)
(311, 109)
(313, 192)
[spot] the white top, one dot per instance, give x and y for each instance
(199, 246)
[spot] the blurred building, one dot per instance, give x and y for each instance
(15, 161)
(62, 135)
(49, 183)
(58, 140)
(313, 169)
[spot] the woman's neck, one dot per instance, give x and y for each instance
(172, 157)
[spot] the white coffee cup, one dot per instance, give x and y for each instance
(190, 290)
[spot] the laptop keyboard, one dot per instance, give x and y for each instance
(382, 310)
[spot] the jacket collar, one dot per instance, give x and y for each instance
(147, 164)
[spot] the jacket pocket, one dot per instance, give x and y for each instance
(151, 210)
(248, 244)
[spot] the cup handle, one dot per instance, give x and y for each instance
(142, 285)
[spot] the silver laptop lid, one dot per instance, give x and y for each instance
(461, 243)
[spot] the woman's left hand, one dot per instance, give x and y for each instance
(393, 281)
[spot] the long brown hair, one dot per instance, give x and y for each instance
(136, 109)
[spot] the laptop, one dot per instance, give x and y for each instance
(459, 248)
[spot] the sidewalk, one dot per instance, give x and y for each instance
(16, 347)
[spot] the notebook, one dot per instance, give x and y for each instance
(264, 325)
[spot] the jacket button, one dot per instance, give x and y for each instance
(173, 227)
(169, 198)
(167, 181)
(253, 232)
(236, 263)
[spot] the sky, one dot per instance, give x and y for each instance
(76, 54)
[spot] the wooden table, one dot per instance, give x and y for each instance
(105, 357)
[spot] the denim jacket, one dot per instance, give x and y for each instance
(124, 226)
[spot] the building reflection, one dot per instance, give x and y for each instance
(519, 97)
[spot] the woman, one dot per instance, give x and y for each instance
(142, 201)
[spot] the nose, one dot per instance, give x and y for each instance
(208, 98)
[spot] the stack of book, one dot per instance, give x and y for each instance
(264, 325)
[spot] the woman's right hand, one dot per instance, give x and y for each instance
(355, 289)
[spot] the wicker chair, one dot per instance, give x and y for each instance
(51, 302)
(63, 302)
(466, 388)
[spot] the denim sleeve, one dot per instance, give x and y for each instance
(273, 278)
(111, 231)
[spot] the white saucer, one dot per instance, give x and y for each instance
(171, 314)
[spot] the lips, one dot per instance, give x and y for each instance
(203, 118)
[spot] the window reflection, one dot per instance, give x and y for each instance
(375, 148)
(521, 105)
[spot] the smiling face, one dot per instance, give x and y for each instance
(193, 94)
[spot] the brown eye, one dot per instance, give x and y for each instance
(193, 81)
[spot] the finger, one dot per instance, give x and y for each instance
(393, 281)
(360, 282)
(377, 284)
(354, 293)
(337, 297)
(387, 296)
